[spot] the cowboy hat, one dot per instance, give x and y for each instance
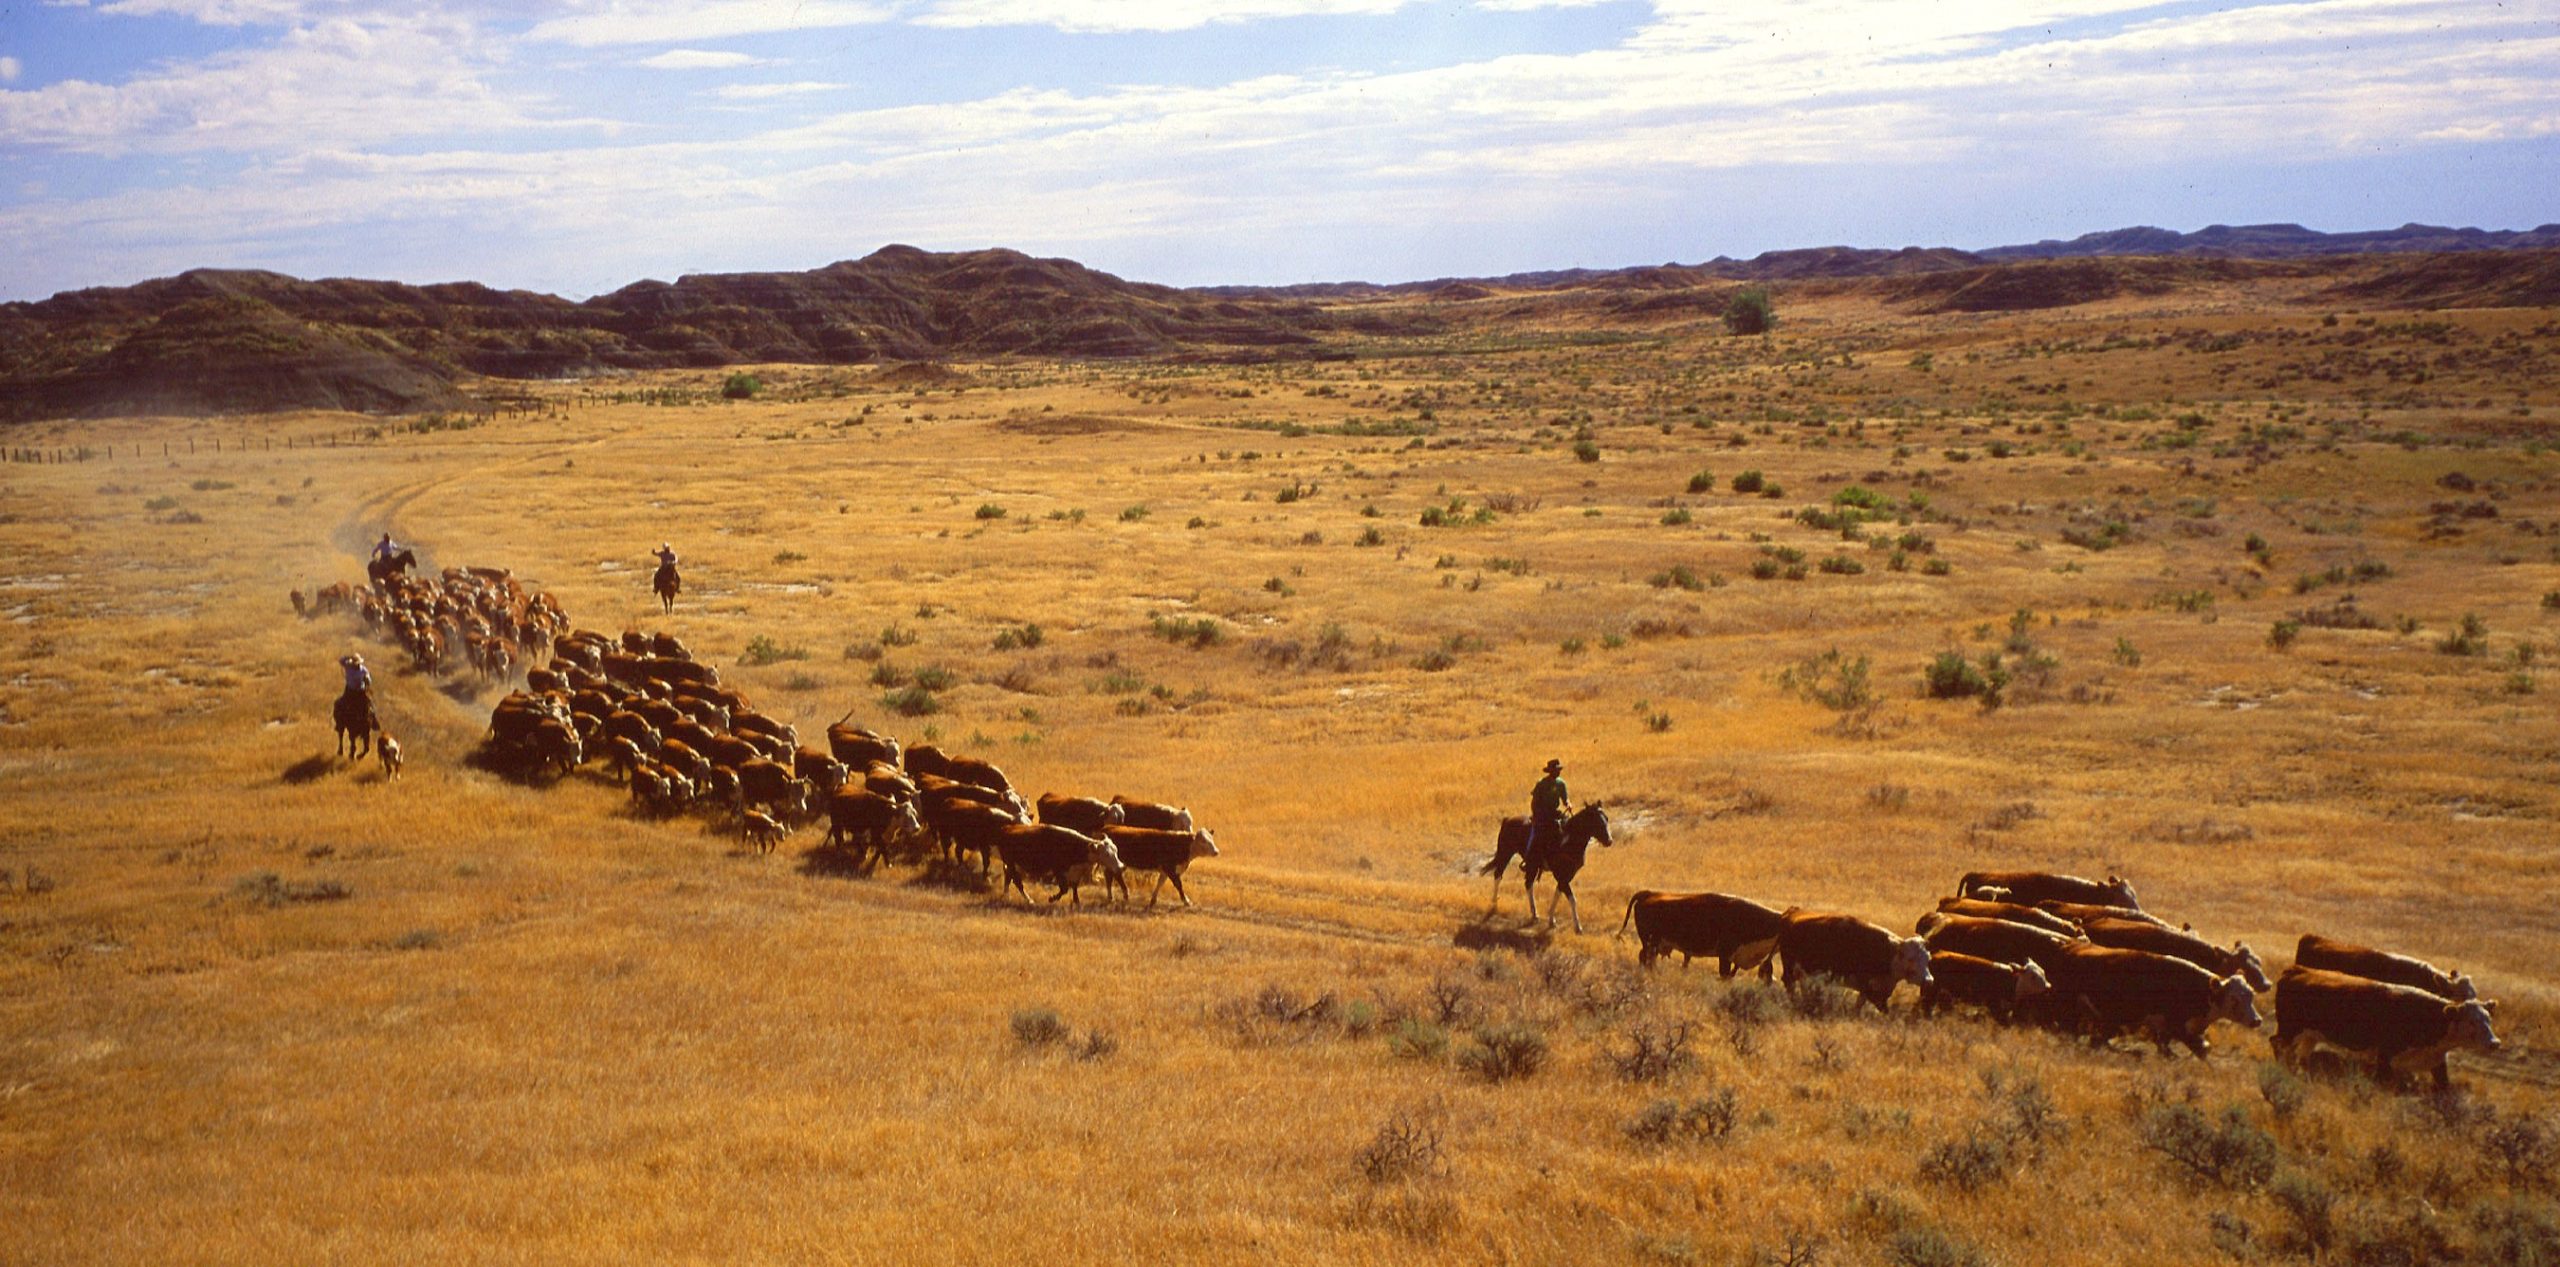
(1555, 766)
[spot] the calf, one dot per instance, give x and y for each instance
(1869, 958)
(1997, 988)
(2403, 1029)
(1083, 813)
(1982, 908)
(2112, 990)
(2133, 934)
(1167, 853)
(385, 748)
(2028, 888)
(1054, 855)
(2316, 951)
(762, 830)
(1740, 933)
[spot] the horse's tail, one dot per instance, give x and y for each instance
(1640, 895)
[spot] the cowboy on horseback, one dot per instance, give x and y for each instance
(1548, 805)
(666, 582)
(354, 716)
(383, 549)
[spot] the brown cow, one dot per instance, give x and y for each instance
(868, 821)
(1740, 933)
(2113, 990)
(1869, 958)
(2010, 911)
(966, 827)
(1167, 853)
(2316, 951)
(2134, 934)
(1151, 814)
(859, 746)
(1997, 988)
(762, 782)
(2029, 888)
(2083, 912)
(1054, 855)
(923, 759)
(2402, 1028)
(822, 771)
(1083, 813)
(1997, 940)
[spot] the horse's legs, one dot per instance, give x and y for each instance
(1529, 884)
(1565, 888)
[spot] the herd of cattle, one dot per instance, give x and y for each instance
(662, 722)
(2031, 947)
(478, 618)
(2083, 956)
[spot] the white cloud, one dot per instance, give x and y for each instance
(338, 82)
(9, 70)
(759, 92)
(212, 12)
(679, 21)
(1122, 16)
(700, 59)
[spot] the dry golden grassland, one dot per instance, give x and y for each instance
(264, 1007)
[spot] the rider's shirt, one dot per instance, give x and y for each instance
(1547, 800)
(359, 678)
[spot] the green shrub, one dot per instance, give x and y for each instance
(2283, 634)
(1586, 451)
(1952, 676)
(1750, 312)
(764, 650)
(741, 387)
(1702, 482)
(914, 701)
(1502, 1053)
(1749, 482)
(1675, 517)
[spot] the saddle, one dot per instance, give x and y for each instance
(666, 575)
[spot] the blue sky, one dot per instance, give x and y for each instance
(573, 146)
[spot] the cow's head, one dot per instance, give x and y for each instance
(1115, 813)
(1990, 893)
(2245, 962)
(1911, 960)
(2031, 981)
(1105, 857)
(2467, 1025)
(1203, 845)
(2462, 987)
(2235, 1002)
(2121, 890)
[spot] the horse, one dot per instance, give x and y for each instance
(383, 569)
(668, 585)
(1561, 858)
(356, 724)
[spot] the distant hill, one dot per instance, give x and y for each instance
(2279, 242)
(217, 341)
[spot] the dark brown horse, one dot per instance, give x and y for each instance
(356, 724)
(668, 585)
(382, 570)
(1561, 857)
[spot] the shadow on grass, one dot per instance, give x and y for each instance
(951, 876)
(309, 770)
(835, 862)
(1482, 936)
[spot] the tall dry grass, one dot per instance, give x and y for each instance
(266, 1008)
